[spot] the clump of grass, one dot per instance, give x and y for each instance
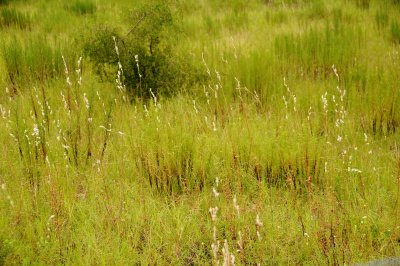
(381, 19)
(283, 2)
(211, 26)
(395, 2)
(5, 250)
(363, 4)
(10, 16)
(315, 50)
(316, 10)
(276, 16)
(82, 7)
(5, 2)
(395, 32)
(237, 17)
(236, 20)
(33, 60)
(386, 118)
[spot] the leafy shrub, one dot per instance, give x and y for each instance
(82, 7)
(12, 17)
(146, 52)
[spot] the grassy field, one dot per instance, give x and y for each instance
(258, 132)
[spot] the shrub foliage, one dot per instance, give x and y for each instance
(145, 52)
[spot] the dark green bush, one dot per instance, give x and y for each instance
(145, 52)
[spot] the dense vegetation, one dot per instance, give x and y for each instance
(199, 132)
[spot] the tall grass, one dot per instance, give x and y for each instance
(32, 60)
(12, 17)
(82, 7)
(316, 50)
(395, 32)
(364, 4)
(381, 19)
